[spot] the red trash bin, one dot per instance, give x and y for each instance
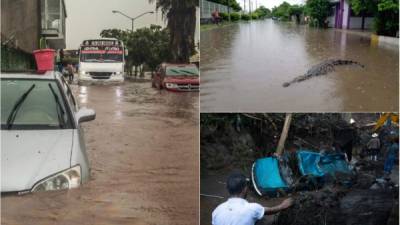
(44, 59)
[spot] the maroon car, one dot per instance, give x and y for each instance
(177, 77)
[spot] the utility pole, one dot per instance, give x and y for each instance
(250, 9)
(134, 18)
(244, 7)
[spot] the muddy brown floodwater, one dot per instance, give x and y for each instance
(143, 150)
(244, 65)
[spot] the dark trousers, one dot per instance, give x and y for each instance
(348, 149)
(71, 77)
(216, 20)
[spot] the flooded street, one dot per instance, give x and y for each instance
(244, 65)
(143, 151)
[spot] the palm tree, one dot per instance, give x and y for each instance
(181, 19)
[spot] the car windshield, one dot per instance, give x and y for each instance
(182, 71)
(32, 104)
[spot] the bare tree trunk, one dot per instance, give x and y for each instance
(285, 131)
(363, 21)
(141, 71)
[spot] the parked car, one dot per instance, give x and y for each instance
(42, 146)
(177, 77)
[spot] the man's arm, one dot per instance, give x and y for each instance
(275, 209)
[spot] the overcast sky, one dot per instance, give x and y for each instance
(87, 18)
(269, 3)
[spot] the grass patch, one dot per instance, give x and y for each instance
(204, 27)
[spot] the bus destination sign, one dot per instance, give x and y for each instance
(101, 43)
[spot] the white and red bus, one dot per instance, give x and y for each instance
(102, 60)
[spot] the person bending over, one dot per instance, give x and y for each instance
(237, 211)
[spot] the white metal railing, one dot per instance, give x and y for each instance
(207, 7)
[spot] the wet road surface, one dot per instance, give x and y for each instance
(143, 150)
(244, 65)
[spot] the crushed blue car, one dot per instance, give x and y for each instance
(268, 178)
(320, 165)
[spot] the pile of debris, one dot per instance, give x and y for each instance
(370, 200)
(313, 208)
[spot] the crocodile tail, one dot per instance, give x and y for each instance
(357, 63)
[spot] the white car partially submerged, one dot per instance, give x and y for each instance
(42, 147)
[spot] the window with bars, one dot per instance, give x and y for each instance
(53, 18)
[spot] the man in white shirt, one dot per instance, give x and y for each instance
(237, 211)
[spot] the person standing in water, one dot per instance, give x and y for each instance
(391, 156)
(374, 146)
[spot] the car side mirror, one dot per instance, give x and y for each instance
(84, 115)
(126, 52)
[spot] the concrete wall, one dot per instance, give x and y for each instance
(22, 19)
(13, 59)
(355, 22)
(331, 21)
(385, 41)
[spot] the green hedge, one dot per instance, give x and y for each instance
(235, 16)
(246, 17)
(254, 16)
(224, 16)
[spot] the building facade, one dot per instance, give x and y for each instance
(27, 25)
(343, 17)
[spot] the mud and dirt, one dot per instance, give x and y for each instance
(143, 151)
(227, 147)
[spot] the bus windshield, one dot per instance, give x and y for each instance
(101, 57)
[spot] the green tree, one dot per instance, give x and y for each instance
(159, 49)
(148, 46)
(282, 11)
(263, 12)
(362, 8)
(181, 19)
(387, 18)
(318, 10)
(115, 33)
(386, 14)
(297, 11)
